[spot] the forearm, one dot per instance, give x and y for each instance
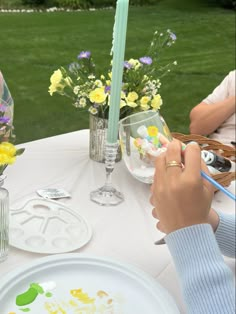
(206, 280)
(206, 118)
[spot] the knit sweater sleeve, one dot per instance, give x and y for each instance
(207, 282)
(225, 234)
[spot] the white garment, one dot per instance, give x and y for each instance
(226, 132)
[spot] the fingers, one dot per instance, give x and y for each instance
(192, 159)
(155, 214)
(173, 157)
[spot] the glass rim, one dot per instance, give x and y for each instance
(155, 112)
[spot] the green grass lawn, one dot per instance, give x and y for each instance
(33, 45)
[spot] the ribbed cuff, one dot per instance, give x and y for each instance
(206, 280)
(225, 234)
(193, 242)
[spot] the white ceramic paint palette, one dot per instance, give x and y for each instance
(45, 226)
(83, 284)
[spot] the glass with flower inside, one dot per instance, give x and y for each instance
(143, 137)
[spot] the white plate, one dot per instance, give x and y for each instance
(125, 289)
(46, 226)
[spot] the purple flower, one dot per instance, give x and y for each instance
(4, 119)
(84, 55)
(3, 108)
(107, 89)
(127, 65)
(173, 36)
(146, 60)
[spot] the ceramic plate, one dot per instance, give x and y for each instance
(46, 226)
(76, 283)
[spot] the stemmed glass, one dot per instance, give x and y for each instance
(143, 136)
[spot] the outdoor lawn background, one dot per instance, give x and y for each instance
(33, 45)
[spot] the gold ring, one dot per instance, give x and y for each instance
(173, 163)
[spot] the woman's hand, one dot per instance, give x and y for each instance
(180, 196)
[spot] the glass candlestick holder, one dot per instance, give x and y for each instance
(107, 195)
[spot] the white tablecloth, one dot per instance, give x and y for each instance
(125, 232)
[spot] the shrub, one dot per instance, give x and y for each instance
(34, 2)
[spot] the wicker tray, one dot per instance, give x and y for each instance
(205, 143)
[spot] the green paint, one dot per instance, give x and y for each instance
(25, 309)
(27, 297)
(37, 287)
(48, 294)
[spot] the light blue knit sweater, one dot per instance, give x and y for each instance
(207, 282)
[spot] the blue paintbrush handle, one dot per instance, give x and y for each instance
(218, 186)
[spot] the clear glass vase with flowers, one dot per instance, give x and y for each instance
(8, 154)
(89, 90)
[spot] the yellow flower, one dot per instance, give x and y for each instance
(152, 130)
(132, 96)
(132, 104)
(56, 77)
(122, 103)
(97, 96)
(55, 80)
(144, 100)
(134, 63)
(156, 102)
(7, 153)
(145, 107)
(8, 149)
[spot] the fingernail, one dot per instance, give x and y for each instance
(192, 143)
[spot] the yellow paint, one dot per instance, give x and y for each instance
(102, 293)
(82, 296)
(73, 303)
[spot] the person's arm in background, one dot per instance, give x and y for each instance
(206, 118)
(182, 200)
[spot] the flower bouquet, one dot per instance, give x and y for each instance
(141, 81)
(141, 85)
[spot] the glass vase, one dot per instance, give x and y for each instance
(4, 222)
(97, 139)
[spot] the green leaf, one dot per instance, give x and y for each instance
(20, 151)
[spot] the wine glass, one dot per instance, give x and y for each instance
(143, 136)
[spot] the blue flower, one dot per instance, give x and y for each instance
(84, 55)
(146, 60)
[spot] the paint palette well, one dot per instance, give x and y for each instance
(45, 226)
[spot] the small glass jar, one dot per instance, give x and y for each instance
(4, 221)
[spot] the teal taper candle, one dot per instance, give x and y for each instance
(119, 38)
